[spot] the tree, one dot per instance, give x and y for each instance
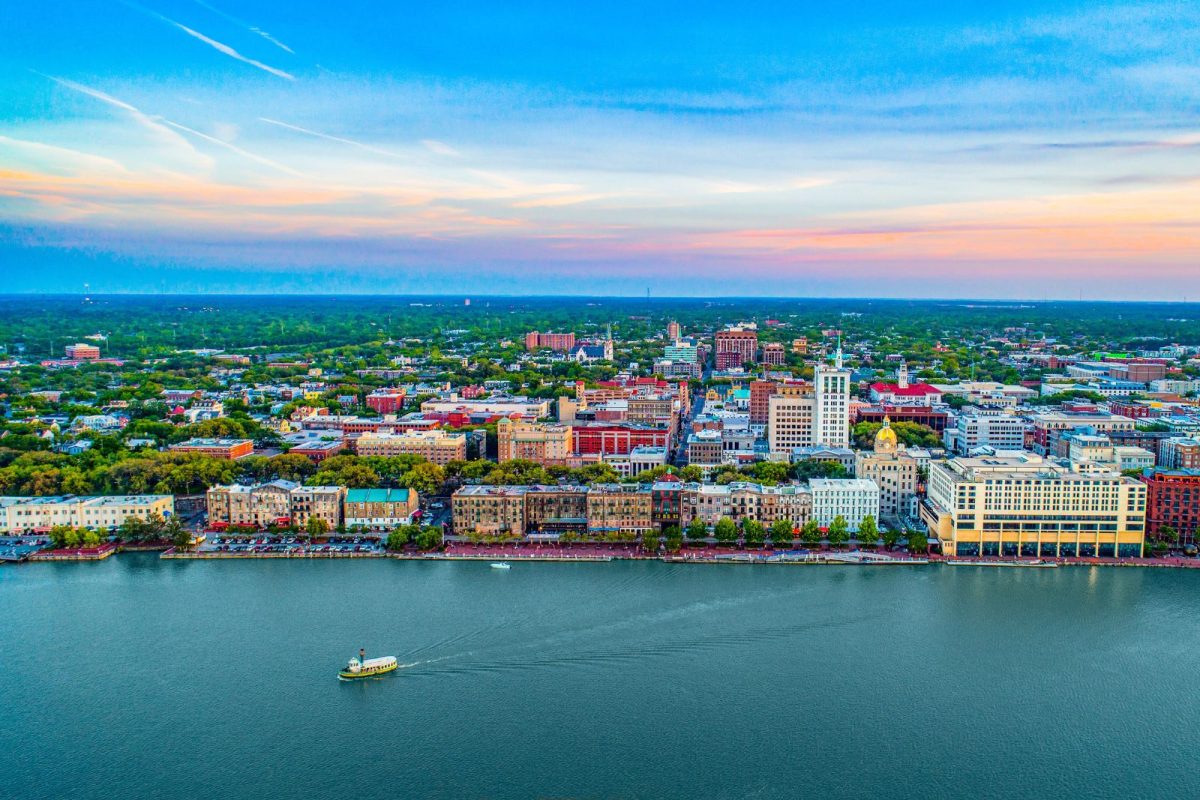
(176, 533)
(868, 532)
(399, 537)
(890, 537)
(697, 531)
(918, 542)
(810, 533)
(650, 541)
(1168, 534)
(63, 536)
(133, 530)
(782, 533)
(753, 532)
(429, 538)
(725, 530)
(425, 479)
(316, 527)
(674, 538)
(839, 531)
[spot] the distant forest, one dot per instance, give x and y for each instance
(39, 326)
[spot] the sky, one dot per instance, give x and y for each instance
(1032, 149)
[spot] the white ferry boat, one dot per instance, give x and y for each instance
(363, 667)
(500, 565)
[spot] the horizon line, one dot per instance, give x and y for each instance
(627, 297)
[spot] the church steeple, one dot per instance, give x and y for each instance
(902, 375)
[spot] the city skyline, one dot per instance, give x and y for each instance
(1046, 151)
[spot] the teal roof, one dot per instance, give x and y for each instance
(377, 496)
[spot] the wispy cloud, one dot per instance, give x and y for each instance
(220, 47)
(151, 123)
(229, 51)
(369, 148)
(235, 149)
(252, 28)
(441, 148)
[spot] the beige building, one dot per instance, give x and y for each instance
(275, 503)
(489, 509)
(96, 513)
(322, 502)
(620, 508)
(436, 446)
(541, 442)
(893, 470)
(1029, 506)
(738, 501)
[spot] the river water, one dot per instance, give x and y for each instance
(142, 678)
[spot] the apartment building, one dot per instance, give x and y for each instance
(436, 446)
(1173, 499)
(277, 502)
(228, 449)
(561, 342)
(1179, 452)
(543, 443)
(743, 500)
(620, 508)
(734, 347)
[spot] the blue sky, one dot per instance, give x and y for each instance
(1023, 149)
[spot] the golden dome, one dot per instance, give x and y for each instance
(885, 440)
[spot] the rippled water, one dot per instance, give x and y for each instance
(139, 678)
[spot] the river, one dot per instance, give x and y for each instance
(141, 678)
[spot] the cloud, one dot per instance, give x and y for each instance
(62, 156)
(220, 47)
(151, 123)
(441, 148)
(234, 148)
(252, 28)
(229, 51)
(319, 135)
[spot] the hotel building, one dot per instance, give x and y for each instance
(1025, 505)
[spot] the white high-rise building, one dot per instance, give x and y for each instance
(816, 415)
(831, 414)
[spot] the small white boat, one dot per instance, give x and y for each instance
(500, 565)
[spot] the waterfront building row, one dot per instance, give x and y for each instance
(637, 508)
(285, 503)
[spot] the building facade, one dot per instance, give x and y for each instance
(1028, 506)
(896, 474)
(735, 347)
(852, 499)
(379, 509)
(99, 513)
(540, 442)
(436, 446)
